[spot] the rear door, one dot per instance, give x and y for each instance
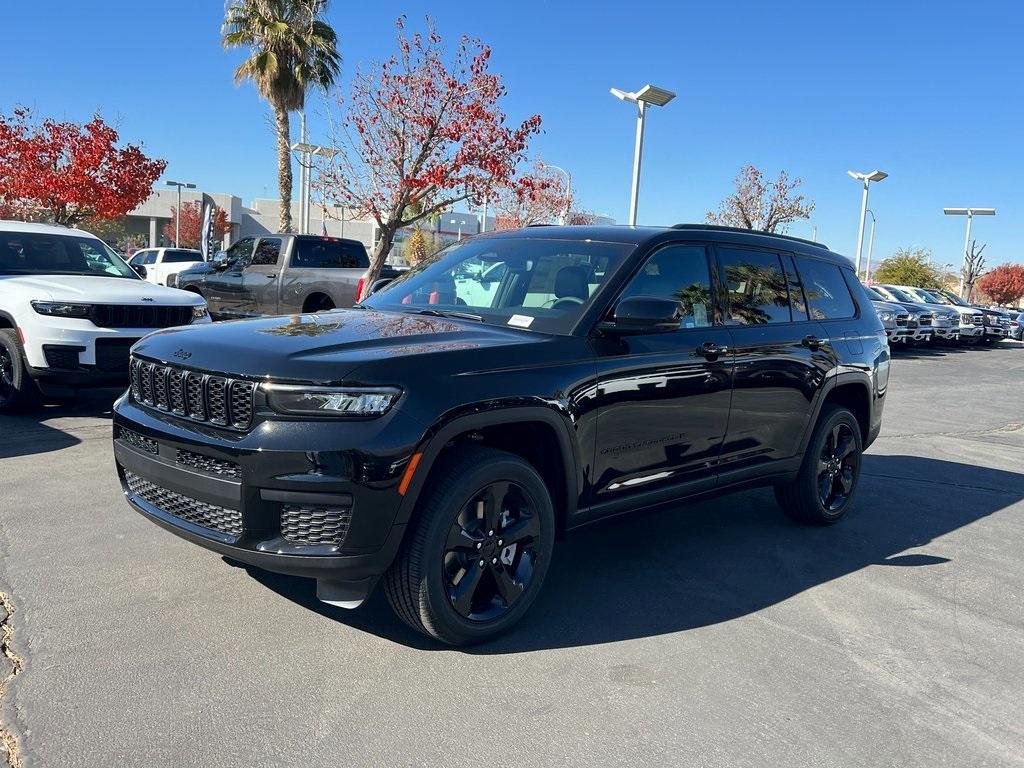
(260, 279)
(664, 397)
(781, 359)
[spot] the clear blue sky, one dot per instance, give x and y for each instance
(929, 91)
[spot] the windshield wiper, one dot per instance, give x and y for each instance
(440, 313)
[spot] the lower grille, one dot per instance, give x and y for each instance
(197, 512)
(136, 440)
(208, 464)
(112, 354)
(314, 524)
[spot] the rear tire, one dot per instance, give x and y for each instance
(823, 490)
(478, 549)
(17, 389)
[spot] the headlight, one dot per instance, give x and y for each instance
(199, 312)
(62, 308)
(331, 401)
(886, 317)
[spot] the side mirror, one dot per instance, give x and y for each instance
(376, 285)
(220, 260)
(644, 314)
(140, 270)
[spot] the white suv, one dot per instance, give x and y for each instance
(155, 265)
(70, 309)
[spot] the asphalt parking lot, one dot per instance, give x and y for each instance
(716, 634)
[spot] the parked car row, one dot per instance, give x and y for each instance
(916, 315)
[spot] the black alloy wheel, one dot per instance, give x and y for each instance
(837, 467)
(823, 489)
(491, 552)
(480, 543)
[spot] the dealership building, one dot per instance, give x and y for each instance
(261, 218)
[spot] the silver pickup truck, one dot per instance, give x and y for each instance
(280, 275)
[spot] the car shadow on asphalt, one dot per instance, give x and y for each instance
(708, 562)
(27, 433)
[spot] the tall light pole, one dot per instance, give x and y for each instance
(867, 178)
(306, 153)
(657, 97)
(970, 213)
(177, 213)
(564, 216)
(871, 248)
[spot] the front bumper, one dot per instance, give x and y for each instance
(897, 335)
(281, 497)
(970, 331)
(995, 331)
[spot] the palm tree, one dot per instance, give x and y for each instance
(291, 48)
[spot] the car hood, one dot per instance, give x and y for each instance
(96, 290)
(323, 347)
(886, 306)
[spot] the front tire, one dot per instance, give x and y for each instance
(17, 390)
(478, 551)
(823, 490)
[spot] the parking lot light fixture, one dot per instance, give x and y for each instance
(177, 214)
(866, 178)
(871, 248)
(970, 213)
(655, 96)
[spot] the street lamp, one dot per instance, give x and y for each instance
(177, 214)
(306, 152)
(564, 218)
(657, 97)
(970, 213)
(871, 248)
(867, 178)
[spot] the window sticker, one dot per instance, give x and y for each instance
(520, 321)
(700, 315)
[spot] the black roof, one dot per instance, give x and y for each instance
(623, 233)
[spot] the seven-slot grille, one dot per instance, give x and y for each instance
(186, 508)
(139, 316)
(194, 395)
(302, 524)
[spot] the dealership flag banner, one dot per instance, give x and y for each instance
(206, 231)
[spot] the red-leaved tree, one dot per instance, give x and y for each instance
(192, 224)
(70, 172)
(538, 197)
(423, 132)
(1004, 285)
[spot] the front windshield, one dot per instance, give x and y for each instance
(873, 294)
(36, 253)
(954, 299)
(933, 298)
(900, 295)
(522, 282)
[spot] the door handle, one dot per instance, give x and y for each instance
(710, 349)
(270, 277)
(812, 342)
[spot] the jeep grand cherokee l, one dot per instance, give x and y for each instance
(441, 434)
(70, 309)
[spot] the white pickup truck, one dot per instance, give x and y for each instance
(155, 265)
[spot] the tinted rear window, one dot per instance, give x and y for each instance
(180, 257)
(757, 285)
(826, 290)
(330, 254)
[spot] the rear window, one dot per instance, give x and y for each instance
(757, 285)
(180, 257)
(330, 254)
(826, 291)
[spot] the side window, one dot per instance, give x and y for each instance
(181, 257)
(138, 259)
(678, 272)
(240, 252)
(267, 251)
(329, 254)
(827, 294)
(757, 286)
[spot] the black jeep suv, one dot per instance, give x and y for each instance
(442, 434)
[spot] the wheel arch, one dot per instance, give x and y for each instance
(538, 435)
(7, 320)
(851, 390)
(315, 298)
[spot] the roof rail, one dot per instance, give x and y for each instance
(540, 224)
(722, 228)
